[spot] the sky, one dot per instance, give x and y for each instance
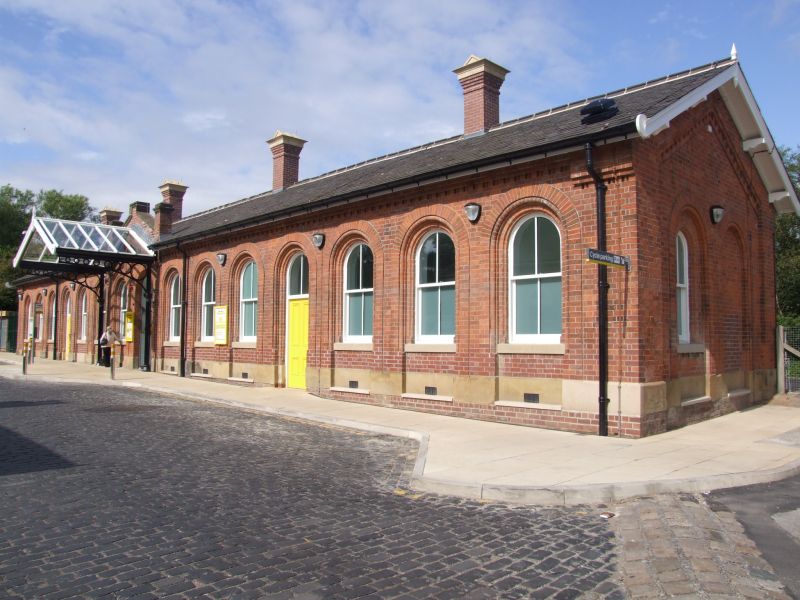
(108, 98)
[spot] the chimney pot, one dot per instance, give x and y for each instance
(139, 207)
(481, 80)
(285, 149)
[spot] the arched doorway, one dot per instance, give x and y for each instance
(297, 322)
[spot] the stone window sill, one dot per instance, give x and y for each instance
(172, 343)
(352, 347)
(347, 390)
(531, 349)
(250, 345)
(204, 344)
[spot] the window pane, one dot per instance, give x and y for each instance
(549, 247)
(248, 281)
(448, 310)
(366, 267)
(681, 260)
(249, 319)
(208, 316)
(208, 287)
(354, 315)
(304, 280)
(524, 249)
(429, 311)
(427, 260)
(551, 305)
(353, 275)
(367, 313)
(176, 291)
(447, 258)
(294, 277)
(526, 303)
(682, 296)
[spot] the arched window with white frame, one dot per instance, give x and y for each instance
(208, 298)
(682, 287)
(51, 333)
(248, 302)
(123, 309)
(535, 282)
(84, 315)
(358, 295)
(175, 309)
(436, 290)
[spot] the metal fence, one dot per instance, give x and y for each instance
(789, 358)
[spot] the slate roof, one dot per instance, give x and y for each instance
(547, 130)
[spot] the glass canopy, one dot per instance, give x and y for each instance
(53, 241)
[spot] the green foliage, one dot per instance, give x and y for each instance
(15, 215)
(787, 248)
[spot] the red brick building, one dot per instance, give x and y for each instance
(452, 277)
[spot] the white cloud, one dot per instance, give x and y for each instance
(191, 90)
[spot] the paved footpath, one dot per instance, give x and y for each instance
(494, 461)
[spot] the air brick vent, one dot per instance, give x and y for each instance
(431, 390)
(245, 374)
(352, 384)
(530, 397)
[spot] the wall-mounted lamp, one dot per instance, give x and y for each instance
(19, 296)
(222, 258)
(717, 212)
(72, 285)
(44, 292)
(318, 239)
(473, 211)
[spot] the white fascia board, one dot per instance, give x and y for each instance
(752, 145)
(34, 227)
(649, 126)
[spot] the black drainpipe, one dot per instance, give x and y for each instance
(602, 293)
(184, 302)
(54, 333)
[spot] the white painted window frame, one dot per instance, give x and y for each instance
(251, 300)
(84, 315)
(419, 338)
(682, 289)
(528, 338)
(206, 315)
(348, 294)
(175, 309)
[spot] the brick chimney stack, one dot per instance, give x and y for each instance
(480, 79)
(172, 193)
(285, 159)
(110, 216)
(163, 221)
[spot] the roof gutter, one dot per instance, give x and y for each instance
(619, 133)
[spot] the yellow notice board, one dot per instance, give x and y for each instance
(221, 325)
(128, 326)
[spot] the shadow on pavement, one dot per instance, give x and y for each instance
(19, 454)
(24, 403)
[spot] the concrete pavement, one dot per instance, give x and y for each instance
(495, 461)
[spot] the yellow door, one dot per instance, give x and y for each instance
(68, 343)
(298, 343)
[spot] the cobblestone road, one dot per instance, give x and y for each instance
(117, 493)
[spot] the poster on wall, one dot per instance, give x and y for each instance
(128, 326)
(220, 325)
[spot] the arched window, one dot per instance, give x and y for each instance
(358, 295)
(84, 315)
(40, 323)
(208, 298)
(436, 290)
(298, 277)
(682, 288)
(123, 309)
(175, 309)
(248, 302)
(535, 282)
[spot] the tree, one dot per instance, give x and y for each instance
(57, 204)
(787, 248)
(15, 215)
